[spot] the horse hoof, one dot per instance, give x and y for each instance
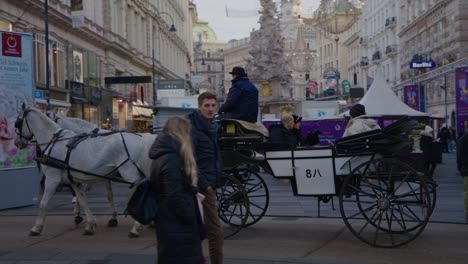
(133, 235)
(78, 220)
(112, 223)
(34, 233)
(88, 233)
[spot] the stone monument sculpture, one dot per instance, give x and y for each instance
(268, 65)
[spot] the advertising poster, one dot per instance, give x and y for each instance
(77, 66)
(16, 85)
(411, 96)
(461, 89)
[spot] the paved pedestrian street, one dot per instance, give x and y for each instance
(290, 233)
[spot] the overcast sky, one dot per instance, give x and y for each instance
(241, 17)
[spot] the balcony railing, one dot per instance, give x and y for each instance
(390, 22)
(363, 40)
(391, 50)
(376, 56)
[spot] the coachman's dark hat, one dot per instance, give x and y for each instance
(237, 71)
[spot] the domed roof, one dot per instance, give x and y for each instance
(203, 33)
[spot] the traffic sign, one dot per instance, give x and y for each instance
(38, 94)
(196, 79)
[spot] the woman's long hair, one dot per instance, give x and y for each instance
(179, 128)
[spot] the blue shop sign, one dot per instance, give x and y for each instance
(38, 94)
(422, 64)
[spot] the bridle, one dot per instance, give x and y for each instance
(19, 126)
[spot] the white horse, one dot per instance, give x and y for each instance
(105, 155)
(79, 126)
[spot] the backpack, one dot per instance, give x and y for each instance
(142, 205)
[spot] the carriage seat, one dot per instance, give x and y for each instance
(244, 128)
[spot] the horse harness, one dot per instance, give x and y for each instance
(72, 143)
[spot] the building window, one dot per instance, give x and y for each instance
(57, 61)
(209, 67)
(6, 26)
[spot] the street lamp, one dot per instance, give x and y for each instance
(46, 27)
(172, 29)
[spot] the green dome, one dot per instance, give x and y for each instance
(202, 32)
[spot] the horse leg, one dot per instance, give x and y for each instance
(90, 227)
(76, 211)
(135, 231)
(110, 197)
(51, 184)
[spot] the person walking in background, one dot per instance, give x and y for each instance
(242, 99)
(359, 122)
(208, 158)
(453, 139)
(462, 165)
(444, 137)
(427, 146)
(179, 228)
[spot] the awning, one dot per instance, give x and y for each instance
(79, 100)
(140, 111)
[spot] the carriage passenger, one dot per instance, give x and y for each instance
(429, 154)
(283, 133)
(359, 122)
(179, 226)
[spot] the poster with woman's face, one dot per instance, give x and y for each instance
(10, 155)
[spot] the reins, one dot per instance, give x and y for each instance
(74, 141)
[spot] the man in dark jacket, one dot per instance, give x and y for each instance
(283, 133)
(242, 99)
(462, 165)
(205, 144)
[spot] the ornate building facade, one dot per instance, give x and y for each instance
(434, 30)
(208, 60)
(116, 38)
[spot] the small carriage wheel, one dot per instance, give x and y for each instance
(385, 203)
(233, 204)
(257, 191)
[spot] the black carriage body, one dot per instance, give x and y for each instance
(383, 201)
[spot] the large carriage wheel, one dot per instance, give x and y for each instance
(233, 204)
(385, 203)
(257, 192)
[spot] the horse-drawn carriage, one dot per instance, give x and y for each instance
(383, 200)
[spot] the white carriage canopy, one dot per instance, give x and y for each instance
(380, 100)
